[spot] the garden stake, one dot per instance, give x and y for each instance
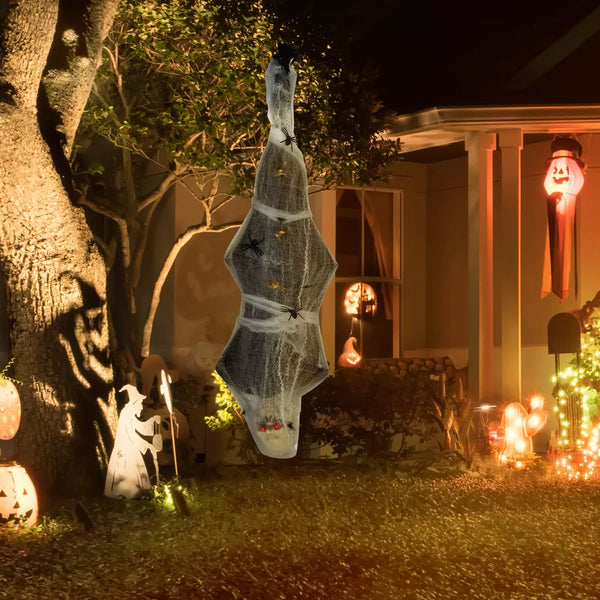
(165, 390)
(176, 493)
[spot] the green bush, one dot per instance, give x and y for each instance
(379, 415)
(356, 413)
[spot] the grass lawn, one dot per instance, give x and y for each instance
(322, 532)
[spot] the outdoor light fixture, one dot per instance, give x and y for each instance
(360, 301)
(564, 180)
(349, 358)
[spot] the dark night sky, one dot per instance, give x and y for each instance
(448, 53)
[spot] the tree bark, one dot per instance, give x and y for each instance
(55, 275)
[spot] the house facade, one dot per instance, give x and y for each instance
(452, 242)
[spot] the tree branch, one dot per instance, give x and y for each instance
(156, 194)
(27, 34)
(180, 242)
(69, 88)
(118, 219)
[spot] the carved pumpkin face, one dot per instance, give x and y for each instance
(10, 410)
(349, 358)
(18, 500)
(564, 176)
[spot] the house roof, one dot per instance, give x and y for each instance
(444, 127)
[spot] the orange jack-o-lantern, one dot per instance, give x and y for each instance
(564, 174)
(360, 300)
(10, 409)
(18, 500)
(564, 180)
(349, 357)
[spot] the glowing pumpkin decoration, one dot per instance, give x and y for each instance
(18, 500)
(360, 300)
(564, 180)
(10, 409)
(564, 174)
(349, 358)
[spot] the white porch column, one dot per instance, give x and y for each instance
(480, 147)
(323, 207)
(511, 144)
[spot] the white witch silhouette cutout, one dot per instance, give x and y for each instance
(127, 476)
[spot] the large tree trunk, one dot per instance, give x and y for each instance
(55, 276)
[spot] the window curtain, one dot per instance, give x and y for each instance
(379, 214)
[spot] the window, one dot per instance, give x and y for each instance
(369, 251)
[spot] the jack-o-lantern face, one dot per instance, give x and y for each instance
(18, 500)
(10, 410)
(349, 358)
(564, 176)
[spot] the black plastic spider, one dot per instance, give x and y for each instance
(288, 138)
(294, 312)
(254, 245)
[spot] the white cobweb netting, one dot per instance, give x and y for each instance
(283, 268)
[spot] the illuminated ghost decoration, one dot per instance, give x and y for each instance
(283, 268)
(564, 180)
(519, 428)
(516, 441)
(127, 476)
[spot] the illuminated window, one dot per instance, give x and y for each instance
(368, 251)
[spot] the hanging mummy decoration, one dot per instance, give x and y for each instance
(283, 268)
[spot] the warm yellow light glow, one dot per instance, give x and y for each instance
(360, 300)
(536, 401)
(517, 443)
(10, 410)
(349, 357)
(18, 499)
(582, 464)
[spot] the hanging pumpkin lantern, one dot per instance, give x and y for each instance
(18, 500)
(349, 358)
(360, 301)
(10, 409)
(564, 180)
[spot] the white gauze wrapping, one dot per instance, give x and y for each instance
(283, 268)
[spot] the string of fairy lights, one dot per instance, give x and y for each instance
(576, 390)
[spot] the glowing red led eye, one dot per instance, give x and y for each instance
(263, 428)
(276, 426)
